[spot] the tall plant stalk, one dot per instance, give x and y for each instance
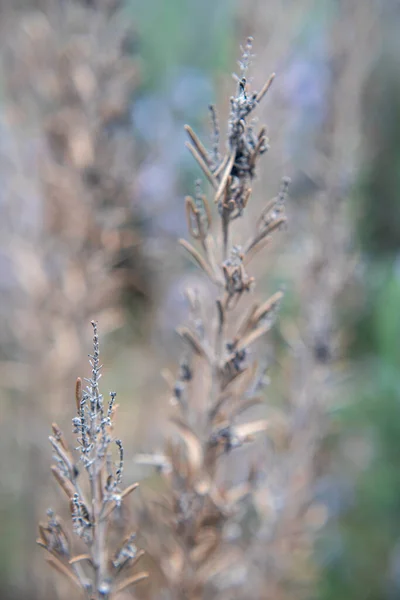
(220, 376)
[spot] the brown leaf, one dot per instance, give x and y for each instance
(225, 176)
(193, 342)
(268, 306)
(198, 144)
(65, 455)
(79, 558)
(194, 449)
(206, 542)
(131, 581)
(58, 434)
(201, 262)
(63, 482)
(244, 405)
(202, 163)
(246, 431)
(63, 569)
(78, 394)
(265, 87)
(128, 490)
(252, 337)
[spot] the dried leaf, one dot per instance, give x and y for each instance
(63, 569)
(209, 248)
(198, 144)
(247, 196)
(257, 247)
(252, 337)
(197, 258)
(59, 436)
(206, 542)
(64, 483)
(264, 233)
(246, 431)
(225, 176)
(222, 166)
(80, 558)
(193, 342)
(265, 87)
(128, 490)
(246, 323)
(131, 581)
(202, 163)
(78, 394)
(108, 510)
(267, 307)
(65, 455)
(195, 455)
(245, 405)
(192, 214)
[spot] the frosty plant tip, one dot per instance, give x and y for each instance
(95, 492)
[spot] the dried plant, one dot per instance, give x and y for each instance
(69, 79)
(219, 378)
(198, 512)
(69, 227)
(101, 572)
(69, 75)
(293, 499)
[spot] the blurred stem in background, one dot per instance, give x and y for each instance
(72, 186)
(363, 545)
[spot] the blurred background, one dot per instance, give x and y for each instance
(94, 95)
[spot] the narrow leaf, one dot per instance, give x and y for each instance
(131, 581)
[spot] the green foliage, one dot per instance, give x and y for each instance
(366, 565)
(369, 530)
(180, 32)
